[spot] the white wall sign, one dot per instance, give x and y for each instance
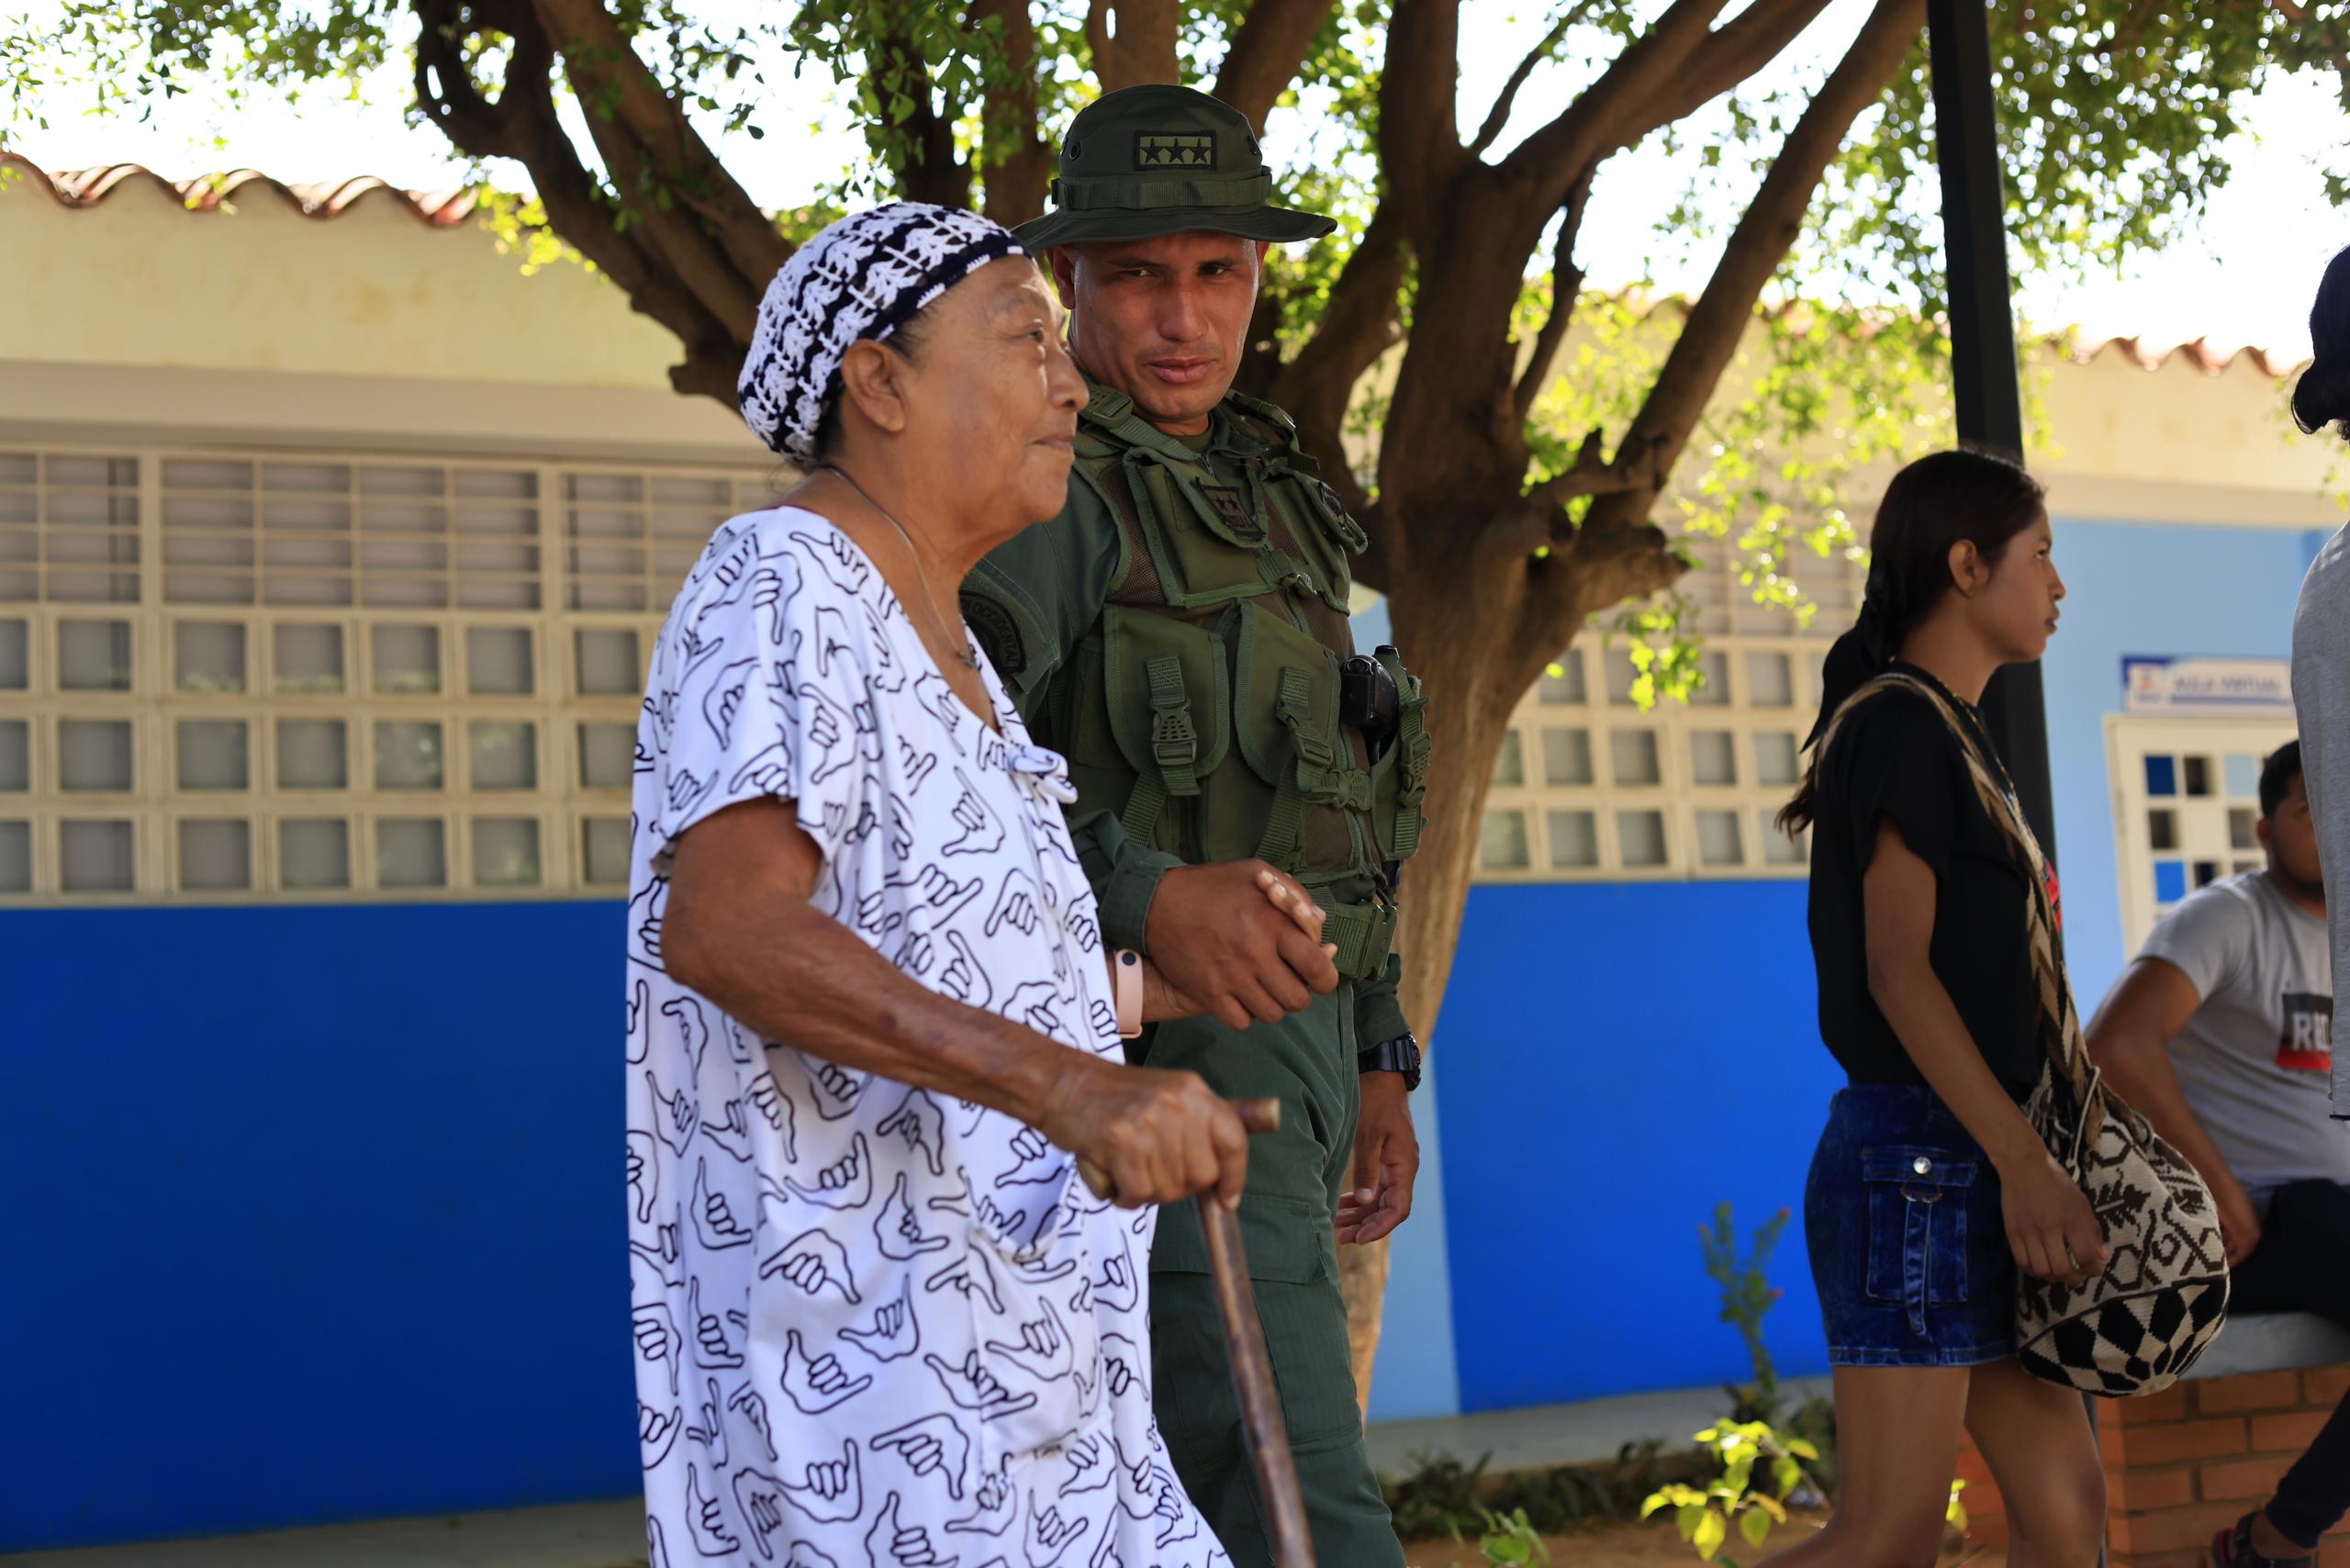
(2239, 687)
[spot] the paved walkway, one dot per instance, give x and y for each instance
(1543, 1436)
(578, 1535)
(611, 1535)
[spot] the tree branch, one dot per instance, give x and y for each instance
(1018, 160)
(445, 89)
(522, 124)
(1616, 565)
(1733, 52)
(933, 173)
(1144, 47)
(1566, 283)
(1710, 337)
(1357, 325)
(1420, 149)
(1546, 163)
(1420, 140)
(721, 247)
(1498, 116)
(1267, 49)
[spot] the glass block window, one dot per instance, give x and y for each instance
(236, 676)
(2188, 806)
(1589, 787)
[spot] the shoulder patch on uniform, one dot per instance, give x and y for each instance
(1233, 506)
(998, 632)
(1106, 408)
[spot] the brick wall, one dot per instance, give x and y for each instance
(2185, 1463)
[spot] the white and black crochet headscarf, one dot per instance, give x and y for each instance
(863, 277)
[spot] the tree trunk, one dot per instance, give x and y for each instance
(1477, 625)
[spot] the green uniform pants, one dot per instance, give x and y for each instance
(1296, 1177)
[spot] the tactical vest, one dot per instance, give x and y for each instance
(1204, 708)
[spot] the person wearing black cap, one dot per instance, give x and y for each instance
(1181, 633)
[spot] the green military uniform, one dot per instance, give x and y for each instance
(1179, 633)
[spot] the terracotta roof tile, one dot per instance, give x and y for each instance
(2198, 354)
(87, 187)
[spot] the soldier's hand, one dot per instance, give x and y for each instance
(1224, 940)
(1160, 999)
(1159, 1136)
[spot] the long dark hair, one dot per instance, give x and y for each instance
(2321, 397)
(1930, 507)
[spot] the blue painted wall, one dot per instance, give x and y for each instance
(323, 1203)
(1415, 1374)
(2143, 589)
(1618, 1059)
(315, 1214)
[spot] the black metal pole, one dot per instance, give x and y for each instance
(1983, 342)
(1983, 359)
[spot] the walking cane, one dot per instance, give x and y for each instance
(1244, 1343)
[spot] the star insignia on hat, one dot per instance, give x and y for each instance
(1175, 150)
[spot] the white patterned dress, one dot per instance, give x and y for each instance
(875, 1327)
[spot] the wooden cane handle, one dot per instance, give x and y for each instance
(1261, 1113)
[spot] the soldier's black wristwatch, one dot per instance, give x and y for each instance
(1401, 1054)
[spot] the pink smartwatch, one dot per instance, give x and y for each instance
(1125, 980)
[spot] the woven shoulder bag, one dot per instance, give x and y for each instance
(2136, 1328)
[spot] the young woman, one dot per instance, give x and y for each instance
(1930, 1190)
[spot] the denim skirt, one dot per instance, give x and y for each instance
(1907, 1247)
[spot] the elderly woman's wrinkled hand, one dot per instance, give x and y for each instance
(1160, 1137)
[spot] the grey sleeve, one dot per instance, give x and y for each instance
(2208, 939)
(2321, 704)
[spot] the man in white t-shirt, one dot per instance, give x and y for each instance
(2222, 1033)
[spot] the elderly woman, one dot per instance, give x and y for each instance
(879, 1319)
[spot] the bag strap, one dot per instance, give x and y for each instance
(2059, 1027)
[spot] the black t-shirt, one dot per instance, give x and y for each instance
(1894, 758)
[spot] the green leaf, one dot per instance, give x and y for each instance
(1756, 1525)
(1712, 1530)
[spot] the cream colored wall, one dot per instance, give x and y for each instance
(136, 315)
(137, 279)
(2177, 443)
(261, 323)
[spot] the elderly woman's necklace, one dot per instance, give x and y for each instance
(959, 647)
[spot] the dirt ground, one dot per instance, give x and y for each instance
(1652, 1546)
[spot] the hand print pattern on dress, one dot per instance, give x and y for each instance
(875, 1327)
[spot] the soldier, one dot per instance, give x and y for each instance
(1180, 633)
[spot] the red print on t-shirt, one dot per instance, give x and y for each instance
(2306, 1044)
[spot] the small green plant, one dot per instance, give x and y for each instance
(1444, 1496)
(1508, 1541)
(1747, 1295)
(1440, 1497)
(1705, 1514)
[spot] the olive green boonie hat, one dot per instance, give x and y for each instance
(1155, 159)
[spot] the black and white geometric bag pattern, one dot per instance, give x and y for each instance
(2138, 1327)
